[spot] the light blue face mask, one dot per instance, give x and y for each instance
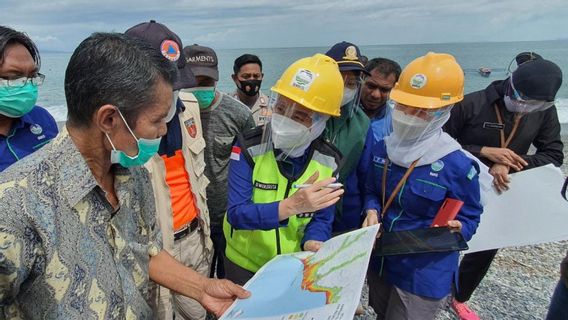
(16, 102)
(147, 148)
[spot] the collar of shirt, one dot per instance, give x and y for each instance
(25, 120)
(495, 91)
(380, 112)
(76, 169)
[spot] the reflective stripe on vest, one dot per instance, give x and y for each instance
(251, 249)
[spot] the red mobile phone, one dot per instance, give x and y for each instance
(448, 211)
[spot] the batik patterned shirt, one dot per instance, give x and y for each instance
(65, 253)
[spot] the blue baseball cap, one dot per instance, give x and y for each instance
(348, 57)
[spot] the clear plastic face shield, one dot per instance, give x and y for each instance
(415, 131)
(516, 102)
(416, 124)
(352, 84)
(292, 127)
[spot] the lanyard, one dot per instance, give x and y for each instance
(505, 141)
(398, 186)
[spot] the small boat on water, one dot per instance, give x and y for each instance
(484, 71)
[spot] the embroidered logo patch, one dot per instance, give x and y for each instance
(437, 166)
(191, 127)
(170, 50)
(36, 129)
(350, 53)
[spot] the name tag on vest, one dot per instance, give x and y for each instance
(265, 186)
(492, 125)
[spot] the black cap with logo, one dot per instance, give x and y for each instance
(202, 61)
(169, 44)
(348, 57)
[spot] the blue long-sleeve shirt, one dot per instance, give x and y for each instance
(28, 134)
(353, 213)
(243, 213)
(415, 206)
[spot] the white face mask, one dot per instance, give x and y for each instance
(408, 127)
(173, 107)
(287, 133)
(348, 95)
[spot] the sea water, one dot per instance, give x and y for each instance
(471, 56)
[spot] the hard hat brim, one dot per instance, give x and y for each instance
(423, 102)
(304, 102)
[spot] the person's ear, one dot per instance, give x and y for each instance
(107, 118)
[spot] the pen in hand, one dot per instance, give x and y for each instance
(331, 185)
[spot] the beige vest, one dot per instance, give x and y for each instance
(260, 111)
(193, 145)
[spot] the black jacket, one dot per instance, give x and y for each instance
(473, 123)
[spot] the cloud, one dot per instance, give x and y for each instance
(264, 23)
(40, 39)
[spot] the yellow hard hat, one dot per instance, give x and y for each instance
(430, 82)
(314, 82)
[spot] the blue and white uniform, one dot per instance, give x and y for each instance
(455, 175)
(28, 134)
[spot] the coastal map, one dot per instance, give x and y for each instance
(307, 285)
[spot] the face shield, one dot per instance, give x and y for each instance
(516, 102)
(414, 124)
(292, 127)
(416, 131)
(352, 83)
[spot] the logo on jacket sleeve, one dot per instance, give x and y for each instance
(191, 127)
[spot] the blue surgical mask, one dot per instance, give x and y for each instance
(147, 148)
(204, 96)
(16, 102)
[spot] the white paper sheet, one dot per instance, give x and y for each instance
(532, 211)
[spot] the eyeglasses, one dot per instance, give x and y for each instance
(20, 82)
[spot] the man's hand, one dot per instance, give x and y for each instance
(500, 174)
(455, 225)
(218, 295)
(310, 199)
(312, 245)
(372, 218)
(504, 156)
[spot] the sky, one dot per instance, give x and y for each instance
(60, 25)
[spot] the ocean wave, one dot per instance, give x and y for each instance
(59, 112)
(562, 107)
